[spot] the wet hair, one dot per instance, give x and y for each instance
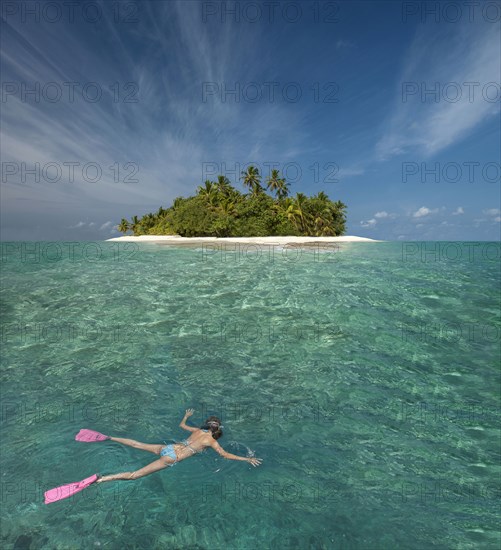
(213, 424)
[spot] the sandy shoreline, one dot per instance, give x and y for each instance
(176, 239)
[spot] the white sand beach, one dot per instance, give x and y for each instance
(176, 239)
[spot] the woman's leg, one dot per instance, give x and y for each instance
(155, 449)
(153, 467)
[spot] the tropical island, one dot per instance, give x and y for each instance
(219, 210)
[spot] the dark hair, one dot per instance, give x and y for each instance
(214, 425)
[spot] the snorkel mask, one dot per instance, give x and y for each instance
(213, 423)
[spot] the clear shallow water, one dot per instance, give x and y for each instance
(366, 377)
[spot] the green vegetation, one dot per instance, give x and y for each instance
(220, 210)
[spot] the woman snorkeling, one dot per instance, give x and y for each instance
(200, 438)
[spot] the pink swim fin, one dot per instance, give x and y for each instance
(66, 491)
(90, 436)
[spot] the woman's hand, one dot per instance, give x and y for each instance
(254, 461)
(183, 424)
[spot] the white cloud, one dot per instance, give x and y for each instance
(105, 226)
(433, 106)
(492, 212)
(348, 172)
(497, 219)
(459, 210)
(382, 214)
(424, 211)
(368, 223)
(77, 226)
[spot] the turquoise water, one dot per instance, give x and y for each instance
(365, 376)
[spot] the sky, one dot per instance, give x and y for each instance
(113, 109)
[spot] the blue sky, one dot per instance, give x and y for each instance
(409, 165)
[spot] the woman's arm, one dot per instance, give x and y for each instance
(251, 460)
(183, 424)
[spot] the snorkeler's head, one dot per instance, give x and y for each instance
(214, 425)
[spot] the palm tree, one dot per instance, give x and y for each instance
(288, 207)
(299, 203)
(339, 216)
(134, 224)
(278, 185)
(209, 193)
(234, 195)
(321, 224)
(123, 226)
(322, 215)
(223, 185)
(328, 231)
(252, 180)
(273, 181)
(177, 201)
(148, 220)
(340, 206)
(227, 207)
(283, 189)
(321, 196)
